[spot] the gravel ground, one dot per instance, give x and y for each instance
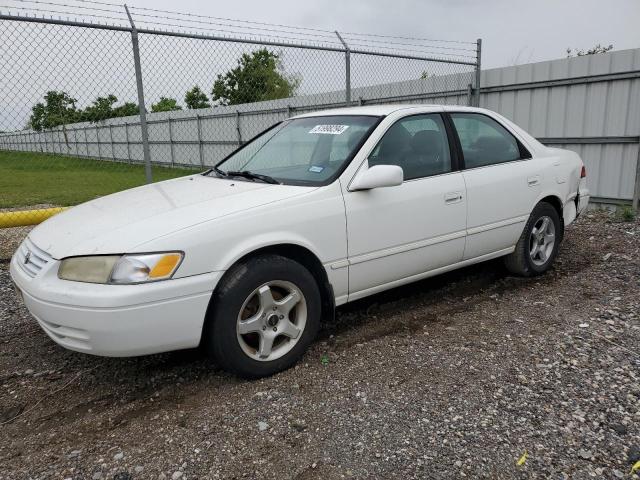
(10, 238)
(457, 376)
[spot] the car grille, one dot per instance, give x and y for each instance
(31, 258)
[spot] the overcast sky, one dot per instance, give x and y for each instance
(513, 31)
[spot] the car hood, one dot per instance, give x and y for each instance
(120, 222)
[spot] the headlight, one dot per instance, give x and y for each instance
(121, 269)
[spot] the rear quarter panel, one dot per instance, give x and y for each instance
(561, 176)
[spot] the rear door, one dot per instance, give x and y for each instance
(502, 182)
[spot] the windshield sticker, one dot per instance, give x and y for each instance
(315, 169)
(329, 129)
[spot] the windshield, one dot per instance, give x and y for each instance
(303, 151)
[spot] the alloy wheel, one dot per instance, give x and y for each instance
(271, 320)
(542, 240)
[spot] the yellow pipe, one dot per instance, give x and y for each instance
(22, 218)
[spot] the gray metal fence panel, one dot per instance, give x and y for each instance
(594, 98)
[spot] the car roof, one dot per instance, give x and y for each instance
(385, 109)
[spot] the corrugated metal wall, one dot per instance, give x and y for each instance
(589, 104)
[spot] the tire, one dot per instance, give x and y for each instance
(253, 306)
(527, 260)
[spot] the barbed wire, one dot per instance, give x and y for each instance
(378, 35)
(412, 45)
(52, 12)
(96, 2)
(295, 27)
(307, 36)
(245, 36)
(298, 31)
(120, 12)
(164, 17)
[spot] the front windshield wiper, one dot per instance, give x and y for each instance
(218, 171)
(252, 176)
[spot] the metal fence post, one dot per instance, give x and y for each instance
(143, 112)
(238, 127)
(86, 141)
(200, 140)
(347, 63)
(98, 142)
(113, 147)
(126, 138)
(636, 189)
(478, 70)
(171, 142)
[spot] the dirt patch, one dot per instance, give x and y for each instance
(454, 376)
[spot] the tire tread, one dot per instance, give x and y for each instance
(518, 261)
(219, 346)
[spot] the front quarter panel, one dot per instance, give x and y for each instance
(315, 221)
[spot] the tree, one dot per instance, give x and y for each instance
(103, 108)
(165, 105)
(127, 109)
(196, 98)
(59, 108)
(593, 51)
(259, 76)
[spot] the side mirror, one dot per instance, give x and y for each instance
(378, 176)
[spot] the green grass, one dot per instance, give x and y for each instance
(626, 213)
(28, 178)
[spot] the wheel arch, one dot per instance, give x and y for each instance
(297, 253)
(556, 203)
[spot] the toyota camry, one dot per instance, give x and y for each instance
(247, 258)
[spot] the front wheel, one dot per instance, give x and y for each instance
(538, 245)
(264, 316)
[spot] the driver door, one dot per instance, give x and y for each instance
(398, 234)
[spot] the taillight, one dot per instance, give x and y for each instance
(583, 172)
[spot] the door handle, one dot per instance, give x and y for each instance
(533, 181)
(453, 197)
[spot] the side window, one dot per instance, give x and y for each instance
(484, 141)
(418, 144)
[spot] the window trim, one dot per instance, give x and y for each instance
(453, 154)
(524, 152)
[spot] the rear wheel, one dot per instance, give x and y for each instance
(264, 316)
(538, 245)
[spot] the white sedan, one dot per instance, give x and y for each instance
(247, 258)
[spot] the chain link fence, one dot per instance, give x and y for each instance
(90, 108)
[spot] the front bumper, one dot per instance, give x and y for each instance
(116, 320)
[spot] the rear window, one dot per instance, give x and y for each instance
(484, 141)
